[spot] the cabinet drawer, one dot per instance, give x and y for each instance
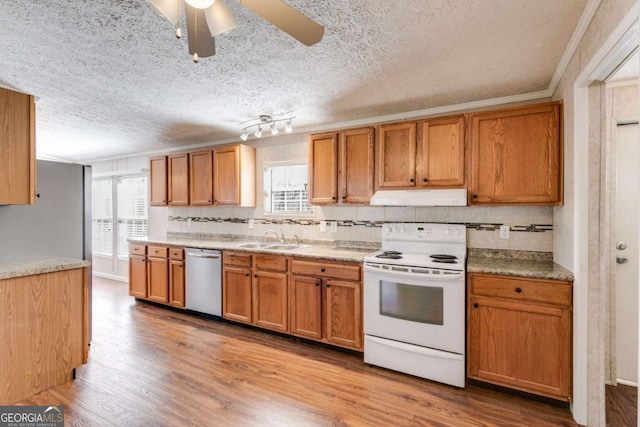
(176, 253)
(137, 249)
(157, 251)
(338, 271)
(236, 258)
(535, 290)
(272, 263)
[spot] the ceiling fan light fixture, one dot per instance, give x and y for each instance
(200, 4)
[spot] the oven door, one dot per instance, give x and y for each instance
(415, 306)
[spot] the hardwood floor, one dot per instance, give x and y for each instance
(153, 366)
(622, 405)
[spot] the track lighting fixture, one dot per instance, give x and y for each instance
(265, 120)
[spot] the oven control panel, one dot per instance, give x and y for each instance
(424, 232)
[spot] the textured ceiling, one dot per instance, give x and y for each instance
(111, 78)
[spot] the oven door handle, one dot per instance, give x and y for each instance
(440, 277)
(414, 348)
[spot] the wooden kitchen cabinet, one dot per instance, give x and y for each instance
(138, 275)
(516, 156)
(236, 287)
(177, 295)
(234, 169)
(396, 154)
(326, 302)
(441, 152)
(270, 292)
(158, 181)
(323, 168)
(158, 274)
(201, 178)
(519, 333)
(356, 165)
(17, 148)
(178, 179)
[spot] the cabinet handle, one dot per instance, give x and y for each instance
(209, 201)
(333, 198)
(424, 179)
(475, 305)
(328, 286)
(317, 283)
(247, 274)
(411, 180)
(322, 270)
(474, 196)
(164, 201)
(518, 290)
(344, 197)
(255, 275)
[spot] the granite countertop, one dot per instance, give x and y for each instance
(536, 265)
(39, 266)
(315, 250)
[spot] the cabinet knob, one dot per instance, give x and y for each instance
(317, 283)
(475, 305)
(164, 201)
(209, 201)
(474, 196)
(344, 197)
(411, 180)
(322, 270)
(255, 275)
(328, 286)
(333, 198)
(518, 290)
(248, 275)
(424, 179)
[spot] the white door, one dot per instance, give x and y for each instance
(627, 224)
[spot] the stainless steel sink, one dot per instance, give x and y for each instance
(285, 247)
(253, 245)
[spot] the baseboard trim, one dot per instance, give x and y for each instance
(625, 382)
(111, 276)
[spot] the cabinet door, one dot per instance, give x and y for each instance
(397, 155)
(323, 168)
(226, 169)
(356, 169)
(441, 153)
(158, 181)
(306, 307)
(179, 179)
(520, 345)
(138, 276)
(176, 283)
(270, 299)
(17, 148)
(343, 313)
(236, 294)
(516, 156)
(158, 279)
(201, 177)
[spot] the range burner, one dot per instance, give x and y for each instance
(445, 261)
(443, 257)
(390, 255)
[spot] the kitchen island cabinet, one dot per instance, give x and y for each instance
(516, 156)
(519, 333)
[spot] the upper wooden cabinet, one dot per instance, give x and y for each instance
(234, 169)
(178, 179)
(341, 166)
(158, 181)
(323, 168)
(440, 155)
(201, 176)
(17, 148)
(396, 151)
(516, 156)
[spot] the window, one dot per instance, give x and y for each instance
(122, 200)
(285, 188)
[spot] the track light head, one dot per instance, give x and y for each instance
(244, 135)
(288, 128)
(274, 129)
(258, 133)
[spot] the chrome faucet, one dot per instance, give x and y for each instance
(280, 235)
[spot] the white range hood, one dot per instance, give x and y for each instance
(441, 197)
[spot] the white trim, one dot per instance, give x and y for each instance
(52, 158)
(111, 276)
(139, 171)
(625, 382)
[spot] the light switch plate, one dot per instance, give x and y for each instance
(250, 223)
(323, 226)
(504, 231)
(334, 226)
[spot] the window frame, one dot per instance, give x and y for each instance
(298, 214)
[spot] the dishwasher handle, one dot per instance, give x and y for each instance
(204, 256)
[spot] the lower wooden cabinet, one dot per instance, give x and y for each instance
(519, 334)
(236, 294)
(156, 273)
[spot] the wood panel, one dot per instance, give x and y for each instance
(343, 316)
(441, 153)
(523, 289)
(396, 155)
(270, 300)
(305, 302)
(189, 367)
(271, 263)
(17, 148)
(178, 179)
(516, 156)
(158, 181)
(239, 259)
(138, 276)
(226, 170)
(323, 168)
(236, 294)
(158, 279)
(323, 269)
(356, 165)
(42, 332)
(177, 296)
(201, 178)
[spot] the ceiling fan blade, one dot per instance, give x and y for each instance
(198, 34)
(287, 19)
(170, 9)
(219, 18)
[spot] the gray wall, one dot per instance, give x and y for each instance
(53, 226)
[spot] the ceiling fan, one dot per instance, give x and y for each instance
(209, 18)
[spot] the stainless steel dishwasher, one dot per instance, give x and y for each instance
(204, 281)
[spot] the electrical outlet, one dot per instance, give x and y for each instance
(250, 223)
(334, 226)
(323, 226)
(504, 231)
